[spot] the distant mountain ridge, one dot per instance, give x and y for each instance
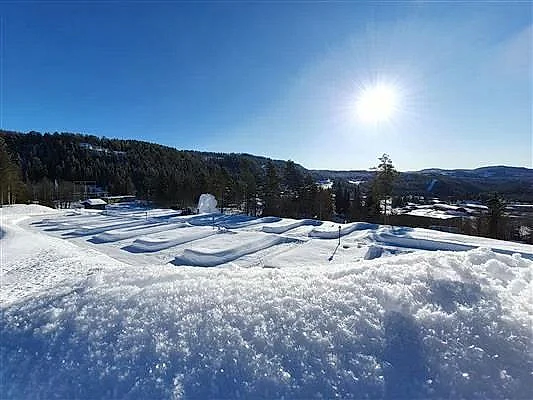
(496, 171)
(487, 172)
(515, 183)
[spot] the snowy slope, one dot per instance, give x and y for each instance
(32, 263)
(441, 324)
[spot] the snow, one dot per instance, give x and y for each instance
(207, 203)
(325, 184)
(375, 317)
(212, 258)
(525, 206)
(135, 231)
(285, 227)
(341, 230)
(164, 242)
(95, 202)
(432, 213)
(474, 206)
(26, 210)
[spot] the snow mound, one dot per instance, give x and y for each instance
(94, 229)
(148, 244)
(287, 227)
(372, 252)
(134, 231)
(211, 259)
(423, 325)
(254, 221)
(207, 204)
(419, 243)
(344, 230)
(27, 209)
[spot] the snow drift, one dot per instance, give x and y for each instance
(76, 323)
(213, 258)
(425, 325)
(285, 227)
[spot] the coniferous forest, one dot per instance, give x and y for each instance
(44, 167)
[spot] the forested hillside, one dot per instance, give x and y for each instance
(49, 163)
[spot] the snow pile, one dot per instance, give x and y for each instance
(373, 251)
(207, 204)
(334, 231)
(284, 226)
(135, 231)
(26, 209)
(150, 244)
(213, 258)
(423, 325)
(31, 263)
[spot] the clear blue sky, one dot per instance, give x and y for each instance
(278, 79)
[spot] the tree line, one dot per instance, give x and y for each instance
(44, 168)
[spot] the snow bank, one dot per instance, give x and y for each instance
(255, 221)
(127, 233)
(373, 251)
(78, 324)
(419, 243)
(288, 226)
(68, 216)
(31, 263)
(217, 219)
(211, 259)
(345, 229)
(26, 209)
(99, 228)
(424, 325)
(77, 222)
(148, 244)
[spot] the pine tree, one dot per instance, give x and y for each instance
(306, 204)
(496, 205)
(382, 186)
(324, 204)
(342, 198)
(12, 188)
(356, 211)
(271, 193)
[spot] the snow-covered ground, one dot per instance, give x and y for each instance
(119, 306)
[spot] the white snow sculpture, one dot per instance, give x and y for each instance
(207, 203)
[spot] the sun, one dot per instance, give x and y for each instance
(377, 103)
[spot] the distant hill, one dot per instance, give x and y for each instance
(495, 173)
(49, 162)
(514, 183)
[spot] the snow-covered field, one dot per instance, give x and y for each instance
(121, 306)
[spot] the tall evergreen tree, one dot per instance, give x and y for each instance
(342, 198)
(383, 182)
(324, 204)
(271, 192)
(496, 214)
(356, 211)
(11, 186)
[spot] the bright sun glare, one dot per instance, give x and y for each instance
(377, 103)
